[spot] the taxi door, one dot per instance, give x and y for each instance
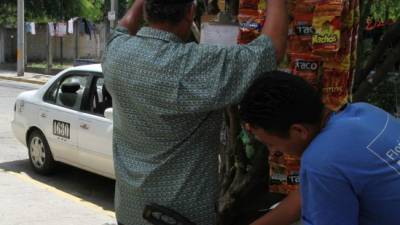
(95, 131)
(59, 115)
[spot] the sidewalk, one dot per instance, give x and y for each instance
(28, 202)
(33, 78)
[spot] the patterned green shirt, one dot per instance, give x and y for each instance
(168, 98)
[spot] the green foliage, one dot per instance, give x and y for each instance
(387, 95)
(50, 10)
(385, 9)
(7, 10)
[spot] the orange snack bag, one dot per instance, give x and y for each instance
(301, 33)
(327, 24)
(284, 172)
(250, 25)
(296, 45)
(303, 26)
(307, 66)
(335, 90)
(305, 7)
(249, 4)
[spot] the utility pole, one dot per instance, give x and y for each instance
(21, 38)
(113, 14)
(49, 46)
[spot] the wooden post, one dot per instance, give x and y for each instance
(49, 51)
(26, 49)
(2, 47)
(76, 30)
(21, 38)
(61, 51)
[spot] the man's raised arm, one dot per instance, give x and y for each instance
(133, 17)
(276, 26)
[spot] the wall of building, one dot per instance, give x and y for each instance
(89, 46)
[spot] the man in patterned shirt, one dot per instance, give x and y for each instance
(168, 98)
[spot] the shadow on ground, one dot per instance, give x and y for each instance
(87, 186)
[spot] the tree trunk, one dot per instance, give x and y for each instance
(2, 47)
(383, 59)
(389, 38)
(244, 175)
(381, 73)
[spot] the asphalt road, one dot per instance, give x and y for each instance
(70, 196)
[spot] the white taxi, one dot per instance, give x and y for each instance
(69, 119)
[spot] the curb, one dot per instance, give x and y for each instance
(23, 80)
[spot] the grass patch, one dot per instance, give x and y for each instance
(56, 65)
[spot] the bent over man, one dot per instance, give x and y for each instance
(350, 170)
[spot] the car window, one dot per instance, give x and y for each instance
(51, 94)
(100, 98)
(70, 91)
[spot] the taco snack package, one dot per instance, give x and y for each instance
(307, 66)
(303, 26)
(284, 173)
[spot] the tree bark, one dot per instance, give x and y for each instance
(244, 180)
(365, 10)
(381, 73)
(389, 38)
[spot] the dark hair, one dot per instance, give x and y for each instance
(157, 11)
(278, 100)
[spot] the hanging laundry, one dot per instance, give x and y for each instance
(71, 24)
(27, 27)
(61, 29)
(87, 27)
(30, 28)
(33, 30)
(82, 26)
(51, 29)
(91, 27)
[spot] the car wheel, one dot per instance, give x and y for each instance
(40, 155)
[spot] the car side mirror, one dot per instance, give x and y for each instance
(108, 114)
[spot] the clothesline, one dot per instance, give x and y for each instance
(61, 29)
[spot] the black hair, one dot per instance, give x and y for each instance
(278, 100)
(157, 11)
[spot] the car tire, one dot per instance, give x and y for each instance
(40, 156)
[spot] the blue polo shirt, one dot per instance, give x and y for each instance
(350, 173)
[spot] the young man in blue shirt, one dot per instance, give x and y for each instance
(350, 160)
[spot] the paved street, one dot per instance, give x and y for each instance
(70, 197)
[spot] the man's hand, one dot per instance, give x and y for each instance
(132, 18)
(286, 213)
(276, 26)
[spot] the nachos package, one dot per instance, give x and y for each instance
(327, 24)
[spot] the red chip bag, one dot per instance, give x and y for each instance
(335, 88)
(250, 25)
(303, 26)
(307, 66)
(249, 4)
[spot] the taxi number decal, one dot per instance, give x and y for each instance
(61, 129)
